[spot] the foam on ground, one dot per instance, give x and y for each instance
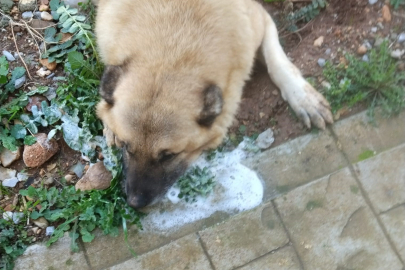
(237, 189)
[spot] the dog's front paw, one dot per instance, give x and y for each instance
(311, 106)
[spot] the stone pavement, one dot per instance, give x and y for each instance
(334, 200)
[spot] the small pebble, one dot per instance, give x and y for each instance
(380, 25)
(11, 182)
(372, 2)
(378, 42)
(37, 15)
(49, 230)
(27, 15)
(17, 217)
(319, 41)
(368, 45)
(9, 56)
(362, 50)
(321, 62)
(8, 215)
(365, 58)
(401, 38)
(374, 29)
(397, 54)
(50, 76)
(328, 51)
(20, 82)
(46, 16)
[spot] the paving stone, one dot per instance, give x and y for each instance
(297, 162)
(383, 178)
(284, 259)
(332, 227)
(359, 137)
(105, 251)
(58, 256)
(394, 222)
(244, 237)
(185, 253)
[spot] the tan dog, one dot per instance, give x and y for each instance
(174, 75)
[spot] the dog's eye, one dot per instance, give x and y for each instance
(166, 156)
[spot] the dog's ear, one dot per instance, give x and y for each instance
(108, 83)
(212, 105)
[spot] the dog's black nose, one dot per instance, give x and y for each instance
(137, 202)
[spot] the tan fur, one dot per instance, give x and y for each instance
(170, 50)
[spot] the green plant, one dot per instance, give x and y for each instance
(305, 13)
(376, 82)
(9, 88)
(397, 3)
(196, 182)
(3, 70)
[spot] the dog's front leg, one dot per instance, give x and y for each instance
(307, 103)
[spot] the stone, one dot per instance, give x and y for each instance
(319, 41)
(372, 2)
(27, 15)
(357, 136)
(296, 162)
(42, 72)
(397, 54)
(37, 154)
(51, 93)
(374, 29)
(379, 41)
(50, 66)
(333, 227)
(20, 82)
(8, 56)
(43, 8)
(59, 256)
(244, 237)
(37, 15)
(41, 222)
(73, 3)
(97, 177)
(6, 173)
(386, 13)
(7, 157)
(17, 216)
(11, 182)
(383, 177)
(44, 2)
(40, 24)
(401, 38)
(8, 215)
(35, 101)
(394, 222)
(365, 58)
(69, 178)
(284, 259)
(185, 253)
(22, 176)
(328, 51)
(49, 230)
(265, 139)
(46, 16)
(77, 169)
(362, 50)
(27, 5)
(321, 62)
(6, 5)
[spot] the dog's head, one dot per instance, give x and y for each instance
(162, 123)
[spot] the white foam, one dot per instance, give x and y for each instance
(237, 189)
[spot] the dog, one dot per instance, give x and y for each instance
(173, 80)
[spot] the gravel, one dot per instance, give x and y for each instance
(27, 15)
(20, 82)
(401, 38)
(321, 62)
(9, 56)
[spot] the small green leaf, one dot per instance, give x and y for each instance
(30, 140)
(76, 60)
(18, 131)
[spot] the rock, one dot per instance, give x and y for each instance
(41, 222)
(44, 2)
(265, 139)
(374, 29)
(40, 24)
(49, 230)
(46, 16)
(328, 51)
(69, 178)
(50, 76)
(27, 15)
(8, 56)
(20, 82)
(49, 180)
(319, 41)
(368, 45)
(365, 58)
(362, 50)
(50, 66)
(401, 38)
(22, 176)
(97, 177)
(51, 93)
(17, 217)
(11, 182)
(7, 157)
(42, 72)
(35, 101)
(6, 5)
(379, 41)
(372, 2)
(321, 62)
(386, 13)
(37, 14)
(8, 215)
(43, 8)
(6, 173)
(37, 154)
(380, 25)
(73, 3)
(77, 169)
(397, 54)
(27, 5)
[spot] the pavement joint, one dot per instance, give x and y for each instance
(86, 257)
(367, 198)
(205, 251)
